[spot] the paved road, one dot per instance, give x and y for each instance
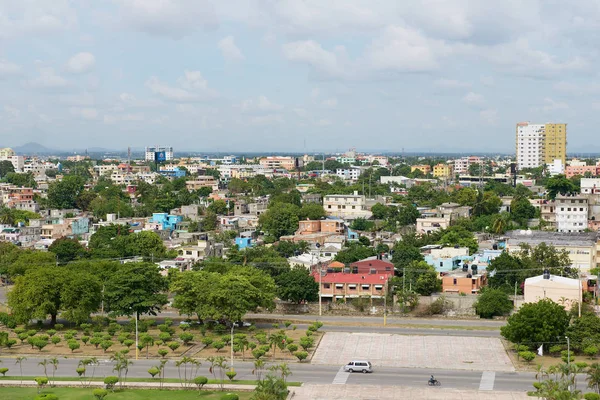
(317, 374)
(379, 320)
(407, 331)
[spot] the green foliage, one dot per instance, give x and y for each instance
(186, 338)
(110, 382)
(173, 346)
(231, 374)
(100, 394)
(354, 252)
(422, 277)
(73, 345)
(559, 184)
(3, 371)
(200, 381)
(459, 236)
(280, 219)
(591, 351)
(301, 355)
(311, 211)
(307, 342)
(135, 289)
(493, 302)
(271, 388)
(539, 322)
(63, 194)
(229, 396)
(527, 356)
(297, 285)
(46, 396)
(521, 210)
(584, 331)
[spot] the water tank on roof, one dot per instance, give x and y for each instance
(465, 267)
(346, 270)
(546, 274)
(474, 269)
(469, 276)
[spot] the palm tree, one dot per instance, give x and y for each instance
(185, 361)
(540, 372)
(19, 360)
(593, 377)
(7, 216)
(259, 366)
(501, 223)
(44, 364)
(54, 362)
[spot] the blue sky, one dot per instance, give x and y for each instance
(272, 75)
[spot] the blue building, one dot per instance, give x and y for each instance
(168, 222)
(174, 173)
(80, 226)
(448, 258)
(243, 242)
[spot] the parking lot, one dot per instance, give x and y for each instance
(444, 352)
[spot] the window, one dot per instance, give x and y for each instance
(339, 285)
(365, 287)
(327, 286)
(454, 281)
(352, 287)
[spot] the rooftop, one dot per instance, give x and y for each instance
(552, 238)
(341, 277)
(553, 278)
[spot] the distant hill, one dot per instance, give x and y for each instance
(33, 148)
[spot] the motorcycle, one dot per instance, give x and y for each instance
(434, 382)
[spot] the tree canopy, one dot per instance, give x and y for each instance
(297, 285)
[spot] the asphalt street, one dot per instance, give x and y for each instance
(317, 374)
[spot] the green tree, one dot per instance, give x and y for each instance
(210, 221)
(354, 252)
(493, 302)
(521, 210)
(67, 249)
(64, 193)
(280, 219)
(584, 331)
(219, 207)
(270, 388)
(6, 167)
(422, 277)
(559, 184)
(135, 289)
(536, 323)
(459, 236)
(311, 211)
(297, 285)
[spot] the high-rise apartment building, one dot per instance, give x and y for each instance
(539, 144)
(159, 153)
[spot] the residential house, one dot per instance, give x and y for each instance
(164, 221)
(434, 224)
(561, 290)
(572, 170)
(571, 213)
(453, 211)
(447, 259)
(372, 265)
(202, 181)
(460, 281)
(443, 170)
(348, 207)
(340, 286)
(425, 169)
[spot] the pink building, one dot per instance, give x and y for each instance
(573, 170)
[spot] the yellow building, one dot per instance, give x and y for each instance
(425, 169)
(6, 153)
(442, 171)
(555, 143)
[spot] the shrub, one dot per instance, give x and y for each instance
(565, 356)
(521, 347)
(3, 371)
(51, 332)
(46, 396)
(55, 340)
(10, 343)
(200, 381)
(128, 343)
(173, 346)
(258, 353)
(23, 336)
(186, 338)
(58, 327)
(40, 343)
(591, 396)
(231, 374)
(41, 381)
(164, 336)
(528, 356)
(493, 302)
(312, 328)
(106, 344)
(220, 329)
(113, 328)
(110, 382)
(301, 355)
(68, 336)
(31, 332)
(73, 345)
(287, 324)
(163, 352)
(581, 364)
(292, 348)
(230, 396)
(99, 394)
(590, 351)
(153, 371)
(218, 345)
(123, 337)
(306, 342)
(80, 370)
(85, 339)
(556, 349)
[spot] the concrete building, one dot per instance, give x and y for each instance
(159, 153)
(333, 226)
(425, 169)
(548, 213)
(340, 286)
(590, 186)
(434, 224)
(571, 213)
(202, 181)
(572, 170)
(8, 154)
(539, 144)
(272, 162)
(561, 290)
(348, 174)
(581, 246)
(346, 206)
(443, 171)
(447, 259)
(466, 282)
(461, 165)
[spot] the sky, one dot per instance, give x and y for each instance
(297, 75)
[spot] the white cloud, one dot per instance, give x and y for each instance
(130, 100)
(301, 112)
(451, 84)
(260, 104)
(8, 69)
(473, 99)
(312, 53)
(229, 50)
(36, 17)
(330, 103)
(404, 49)
(81, 63)
(13, 112)
(490, 116)
(173, 18)
(48, 79)
(551, 105)
(488, 80)
(84, 99)
(85, 113)
(323, 122)
(192, 87)
(271, 119)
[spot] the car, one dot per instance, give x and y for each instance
(359, 366)
(242, 324)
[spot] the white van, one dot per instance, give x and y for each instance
(358, 366)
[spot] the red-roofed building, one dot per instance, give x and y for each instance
(340, 285)
(372, 265)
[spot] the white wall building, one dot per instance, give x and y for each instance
(346, 206)
(556, 168)
(348, 174)
(590, 185)
(150, 153)
(530, 145)
(8, 154)
(571, 213)
(461, 165)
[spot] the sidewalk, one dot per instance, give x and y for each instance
(370, 392)
(132, 385)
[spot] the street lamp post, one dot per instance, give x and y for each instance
(137, 350)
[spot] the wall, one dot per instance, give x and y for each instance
(461, 305)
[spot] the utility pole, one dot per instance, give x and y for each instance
(320, 287)
(137, 350)
(403, 290)
(385, 303)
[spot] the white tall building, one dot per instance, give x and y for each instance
(571, 213)
(530, 145)
(164, 153)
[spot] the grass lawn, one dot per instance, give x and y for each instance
(128, 394)
(166, 380)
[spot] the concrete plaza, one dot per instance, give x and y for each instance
(387, 350)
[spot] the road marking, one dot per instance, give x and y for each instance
(341, 377)
(487, 380)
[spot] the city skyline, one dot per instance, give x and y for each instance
(295, 76)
